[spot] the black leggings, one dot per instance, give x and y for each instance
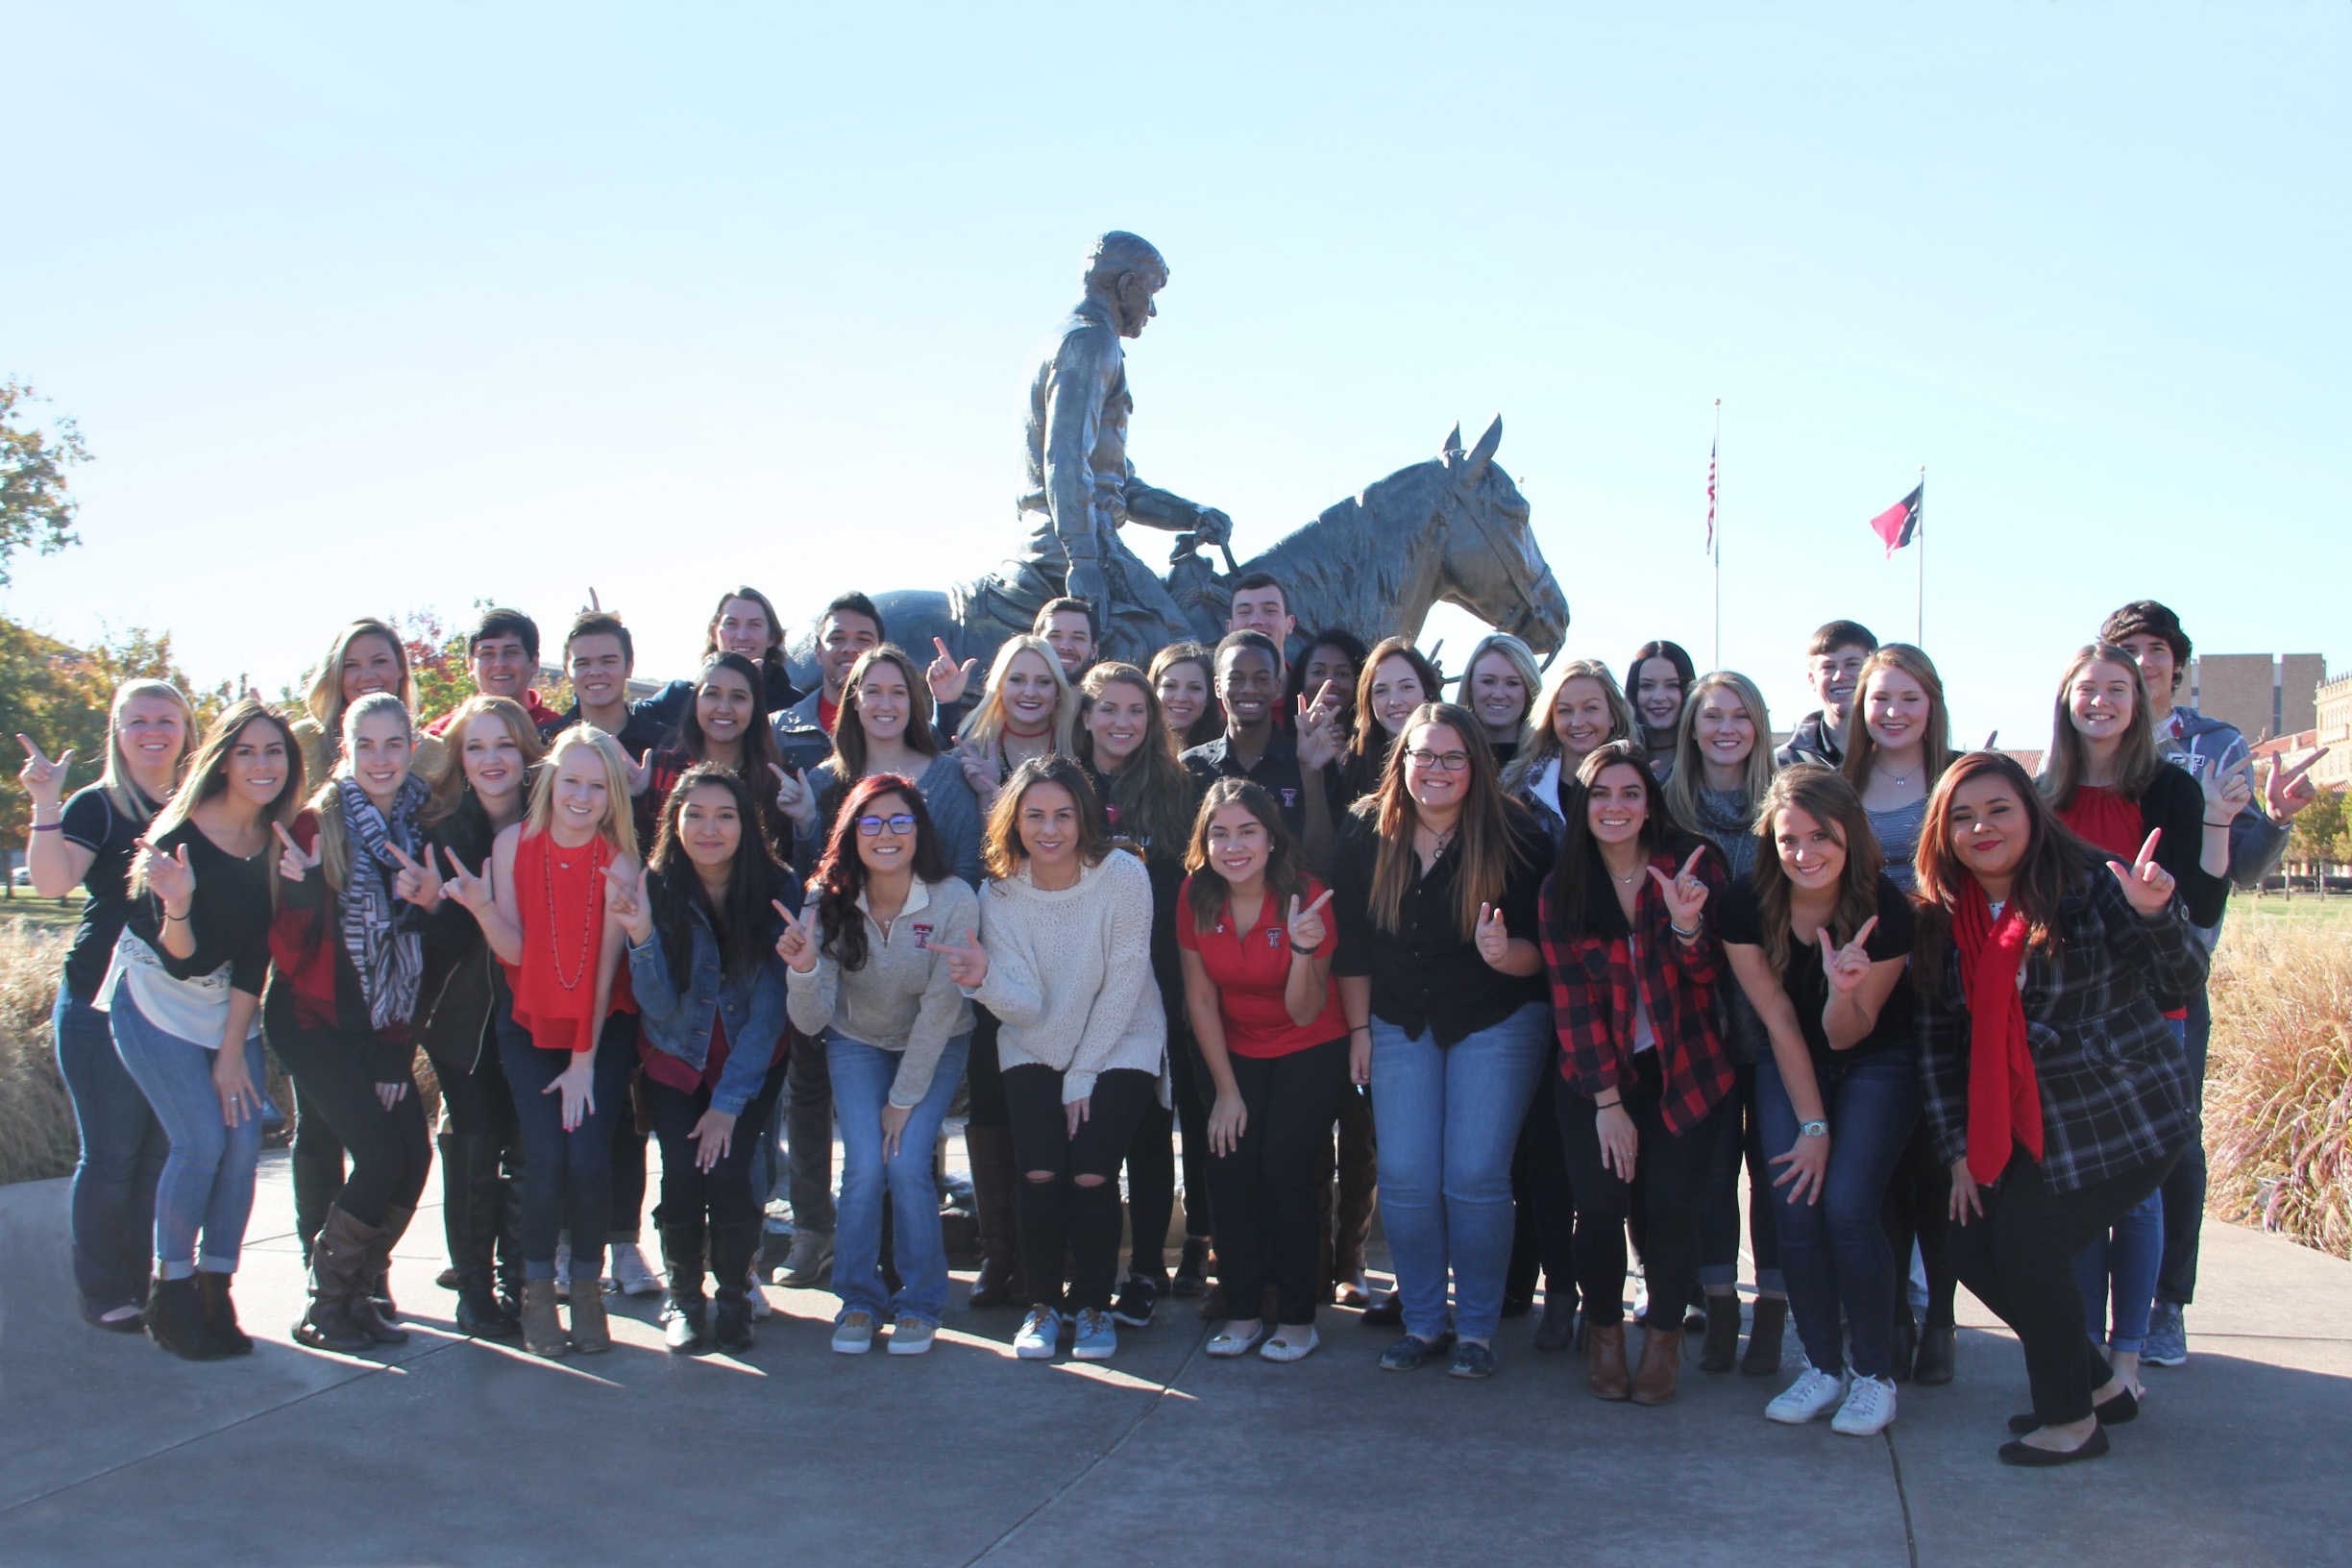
(1189, 1077)
(1669, 1178)
(390, 1152)
(2018, 1259)
(1543, 1229)
(983, 1078)
(316, 1155)
(1059, 1213)
(1918, 1208)
(724, 1193)
(1151, 1192)
(1269, 1222)
(628, 1166)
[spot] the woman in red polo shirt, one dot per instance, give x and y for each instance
(1257, 965)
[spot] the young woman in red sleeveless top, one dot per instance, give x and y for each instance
(571, 1038)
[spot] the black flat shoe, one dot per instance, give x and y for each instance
(1939, 1357)
(2026, 1457)
(2113, 1413)
(1386, 1312)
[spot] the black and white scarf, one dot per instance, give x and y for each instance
(388, 951)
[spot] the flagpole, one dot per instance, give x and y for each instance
(1918, 599)
(1715, 472)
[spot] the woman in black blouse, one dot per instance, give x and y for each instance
(2055, 1090)
(1435, 884)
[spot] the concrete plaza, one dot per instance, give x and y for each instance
(451, 1451)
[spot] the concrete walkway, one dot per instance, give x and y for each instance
(455, 1452)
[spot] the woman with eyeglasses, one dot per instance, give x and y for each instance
(1435, 884)
(868, 983)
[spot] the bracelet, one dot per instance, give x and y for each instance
(1359, 1029)
(1608, 1105)
(2223, 822)
(1296, 951)
(48, 827)
(169, 916)
(1691, 934)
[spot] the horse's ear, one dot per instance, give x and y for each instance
(1475, 468)
(1453, 442)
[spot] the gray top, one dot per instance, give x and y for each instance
(901, 998)
(1897, 831)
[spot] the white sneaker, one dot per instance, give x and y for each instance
(1869, 1408)
(1040, 1333)
(1814, 1393)
(853, 1334)
(631, 1274)
(760, 1305)
(912, 1337)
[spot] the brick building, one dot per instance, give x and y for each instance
(2334, 730)
(2263, 695)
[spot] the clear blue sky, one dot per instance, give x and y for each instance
(368, 310)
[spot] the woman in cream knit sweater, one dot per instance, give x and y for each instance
(1063, 960)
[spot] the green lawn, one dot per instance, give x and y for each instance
(2303, 909)
(48, 914)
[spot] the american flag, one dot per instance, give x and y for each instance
(1711, 450)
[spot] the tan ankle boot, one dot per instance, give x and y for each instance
(1605, 1347)
(543, 1332)
(590, 1332)
(1661, 1366)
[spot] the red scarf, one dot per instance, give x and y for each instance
(2004, 1102)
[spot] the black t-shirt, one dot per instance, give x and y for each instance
(92, 822)
(230, 917)
(1808, 988)
(1277, 772)
(1427, 976)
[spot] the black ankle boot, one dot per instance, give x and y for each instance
(220, 1319)
(175, 1321)
(1938, 1356)
(733, 1245)
(1721, 1350)
(1764, 1335)
(685, 1314)
(469, 1223)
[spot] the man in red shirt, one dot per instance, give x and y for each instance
(502, 652)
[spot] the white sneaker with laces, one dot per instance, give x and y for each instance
(1814, 1393)
(1869, 1408)
(1040, 1333)
(631, 1276)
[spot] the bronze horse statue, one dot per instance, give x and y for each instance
(1454, 528)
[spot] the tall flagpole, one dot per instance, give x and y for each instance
(1715, 517)
(1919, 601)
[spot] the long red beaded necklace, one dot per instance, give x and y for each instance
(547, 876)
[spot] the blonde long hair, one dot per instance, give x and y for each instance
(1539, 743)
(445, 777)
(619, 828)
(1862, 750)
(1689, 776)
(984, 727)
(335, 854)
(324, 701)
(116, 779)
(2069, 760)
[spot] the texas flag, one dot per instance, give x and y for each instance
(1899, 525)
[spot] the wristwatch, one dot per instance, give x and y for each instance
(1812, 1129)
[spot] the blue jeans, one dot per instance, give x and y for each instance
(1834, 1253)
(204, 1195)
(1447, 1118)
(862, 1076)
(122, 1150)
(566, 1176)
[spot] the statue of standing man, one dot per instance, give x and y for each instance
(1079, 485)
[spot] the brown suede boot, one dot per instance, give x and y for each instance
(543, 1332)
(338, 1278)
(591, 1332)
(1661, 1365)
(1604, 1346)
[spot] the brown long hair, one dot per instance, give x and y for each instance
(1212, 722)
(1153, 793)
(1366, 760)
(1285, 870)
(1541, 743)
(841, 876)
(207, 775)
(848, 757)
(1689, 776)
(2136, 758)
(1822, 795)
(2055, 863)
(1573, 874)
(445, 777)
(1862, 750)
(324, 701)
(1483, 838)
(1001, 849)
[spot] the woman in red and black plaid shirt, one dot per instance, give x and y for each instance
(1633, 964)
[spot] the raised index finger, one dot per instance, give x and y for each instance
(1862, 936)
(2289, 777)
(2147, 850)
(1320, 902)
(940, 643)
(1691, 865)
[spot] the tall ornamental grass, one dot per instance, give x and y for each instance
(36, 1130)
(2278, 1097)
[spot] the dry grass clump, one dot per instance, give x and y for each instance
(2278, 1097)
(36, 1129)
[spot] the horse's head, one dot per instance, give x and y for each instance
(1492, 565)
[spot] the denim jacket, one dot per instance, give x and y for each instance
(680, 1025)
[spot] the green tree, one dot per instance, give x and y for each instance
(2318, 836)
(36, 513)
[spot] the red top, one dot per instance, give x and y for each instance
(2107, 820)
(828, 712)
(306, 951)
(540, 716)
(1251, 968)
(664, 1068)
(559, 902)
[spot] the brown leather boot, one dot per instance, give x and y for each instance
(1661, 1365)
(338, 1275)
(1605, 1347)
(366, 1307)
(590, 1331)
(543, 1332)
(1000, 1281)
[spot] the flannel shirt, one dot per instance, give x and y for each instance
(1593, 980)
(2115, 1085)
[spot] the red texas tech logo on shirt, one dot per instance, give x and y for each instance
(922, 936)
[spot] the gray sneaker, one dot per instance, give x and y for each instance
(805, 1264)
(2168, 1337)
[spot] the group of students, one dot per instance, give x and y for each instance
(1540, 971)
